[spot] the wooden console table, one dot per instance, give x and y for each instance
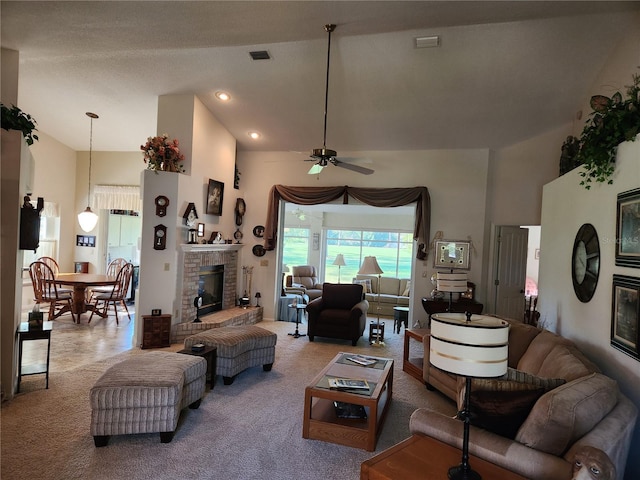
(432, 306)
(413, 365)
(421, 457)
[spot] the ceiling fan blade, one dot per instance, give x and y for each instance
(316, 169)
(354, 168)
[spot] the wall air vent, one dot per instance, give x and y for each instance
(428, 42)
(260, 55)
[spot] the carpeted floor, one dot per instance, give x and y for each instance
(251, 429)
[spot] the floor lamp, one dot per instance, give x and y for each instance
(472, 346)
(339, 261)
(452, 283)
(370, 267)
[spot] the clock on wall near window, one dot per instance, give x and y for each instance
(585, 262)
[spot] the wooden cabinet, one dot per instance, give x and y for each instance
(124, 230)
(441, 306)
(156, 331)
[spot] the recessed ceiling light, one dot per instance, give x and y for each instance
(224, 96)
(254, 135)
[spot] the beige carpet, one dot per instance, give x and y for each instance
(249, 430)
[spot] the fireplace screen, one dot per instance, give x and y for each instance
(210, 288)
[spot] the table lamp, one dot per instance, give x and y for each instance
(339, 261)
(452, 283)
(370, 267)
(285, 270)
(258, 296)
(474, 346)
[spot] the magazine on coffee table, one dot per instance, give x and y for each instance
(348, 384)
(361, 360)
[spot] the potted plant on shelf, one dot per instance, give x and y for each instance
(612, 121)
(160, 153)
(15, 119)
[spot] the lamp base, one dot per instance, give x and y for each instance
(376, 343)
(459, 473)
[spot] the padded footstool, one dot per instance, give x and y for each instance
(145, 394)
(239, 348)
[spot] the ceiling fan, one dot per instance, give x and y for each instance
(324, 156)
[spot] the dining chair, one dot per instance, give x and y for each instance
(116, 295)
(55, 268)
(45, 290)
(113, 268)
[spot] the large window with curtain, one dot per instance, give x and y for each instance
(392, 249)
(295, 246)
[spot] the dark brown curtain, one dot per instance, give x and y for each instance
(377, 197)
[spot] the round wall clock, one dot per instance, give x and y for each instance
(237, 235)
(585, 262)
(162, 203)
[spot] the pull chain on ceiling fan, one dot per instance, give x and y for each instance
(323, 156)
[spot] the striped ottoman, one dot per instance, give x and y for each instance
(145, 394)
(239, 348)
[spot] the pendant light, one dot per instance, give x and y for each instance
(88, 219)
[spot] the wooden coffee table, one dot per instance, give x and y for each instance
(320, 420)
(420, 457)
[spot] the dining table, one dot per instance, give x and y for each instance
(80, 282)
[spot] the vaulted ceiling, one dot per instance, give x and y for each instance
(503, 71)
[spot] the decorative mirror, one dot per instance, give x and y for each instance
(451, 254)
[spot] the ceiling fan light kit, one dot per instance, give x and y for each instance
(323, 156)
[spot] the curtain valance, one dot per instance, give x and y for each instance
(377, 197)
(117, 197)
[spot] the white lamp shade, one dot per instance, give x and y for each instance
(370, 267)
(339, 261)
(451, 282)
(87, 220)
(474, 348)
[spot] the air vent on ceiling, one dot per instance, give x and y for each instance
(428, 42)
(260, 55)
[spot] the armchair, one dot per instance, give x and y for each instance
(341, 312)
(304, 281)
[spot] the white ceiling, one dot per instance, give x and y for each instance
(505, 71)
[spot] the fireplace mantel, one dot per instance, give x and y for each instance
(210, 247)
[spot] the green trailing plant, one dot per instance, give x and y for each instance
(15, 119)
(612, 121)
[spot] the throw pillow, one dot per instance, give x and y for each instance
(366, 284)
(407, 289)
(502, 412)
(516, 380)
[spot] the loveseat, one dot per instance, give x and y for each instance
(394, 292)
(548, 423)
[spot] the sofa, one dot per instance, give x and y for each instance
(303, 281)
(561, 404)
(394, 292)
(339, 313)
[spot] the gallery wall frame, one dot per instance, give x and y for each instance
(628, 229)
(625, 311)
(452, 254)
(215, 195)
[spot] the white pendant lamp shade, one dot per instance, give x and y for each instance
(88, 219)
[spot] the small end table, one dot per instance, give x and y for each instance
(400, 316)
(299, 311)
(210, 355)
(25, 333)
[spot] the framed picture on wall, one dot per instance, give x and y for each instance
(215, 194)
(624, 316)
(452, 254)
(628, 229)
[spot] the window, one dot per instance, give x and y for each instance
(393, 250)
(295, 246)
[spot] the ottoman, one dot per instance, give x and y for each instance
(145, 394)
(239, 348)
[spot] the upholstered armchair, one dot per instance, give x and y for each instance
(304, 281)
(341, 312)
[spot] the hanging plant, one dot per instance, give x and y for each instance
(612, 121)
(15, 119)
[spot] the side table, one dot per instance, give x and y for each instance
(25, 334)
(400, 316)
(210, 355)
(299, 308)
(420, 457)
(413, 365)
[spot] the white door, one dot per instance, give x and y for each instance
(510, 271)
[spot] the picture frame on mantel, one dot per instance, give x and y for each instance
(628, 228)
(215, 195)
(625, 311)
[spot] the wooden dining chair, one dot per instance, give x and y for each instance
(113, 269)
(116, 296)
(55, 268)
(45, 290)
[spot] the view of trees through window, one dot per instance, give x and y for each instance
(295, 250)
(393, 251)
